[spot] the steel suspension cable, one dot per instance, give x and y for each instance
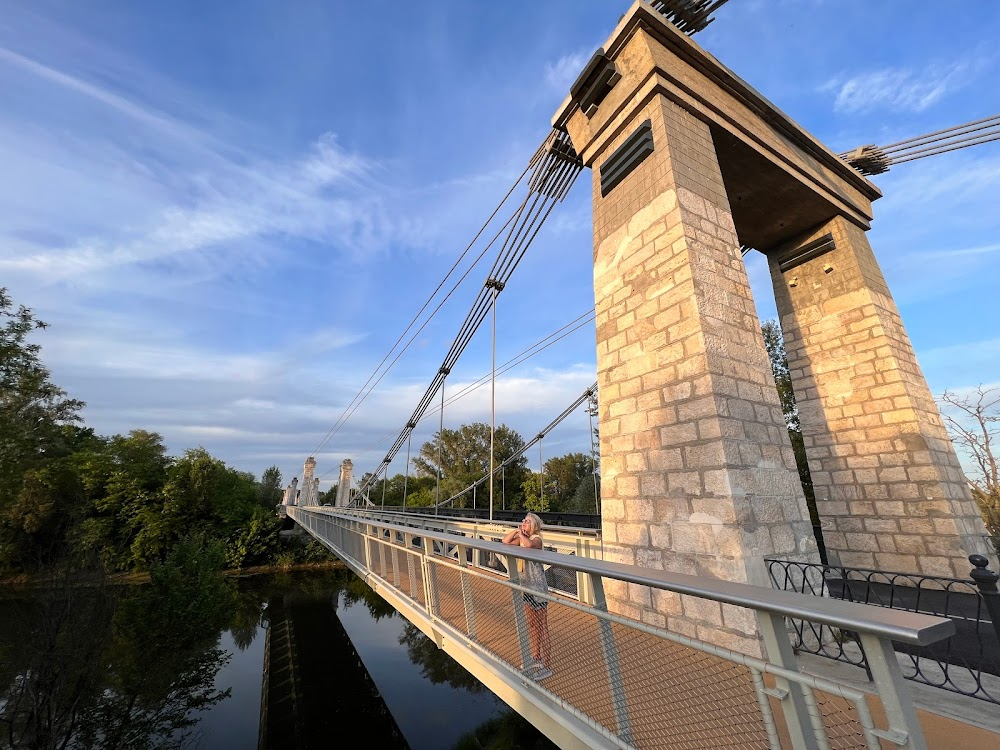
(506, 367)
(873, 160)
(586, 395)
(554, 174)
(416, 317)
(428, 319)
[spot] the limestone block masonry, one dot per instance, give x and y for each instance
(309, 485)
(889, 488)
(699, 475)
(344, 484)
(698, 472)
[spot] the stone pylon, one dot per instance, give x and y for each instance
(691, 166)
(890, 491)
(344, 485)
(309, 496)
(698, 472)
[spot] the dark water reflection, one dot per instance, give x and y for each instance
(133, 668)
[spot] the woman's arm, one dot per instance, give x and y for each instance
(512, 537)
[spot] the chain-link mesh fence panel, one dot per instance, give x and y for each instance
(840, 718)
(649, 687)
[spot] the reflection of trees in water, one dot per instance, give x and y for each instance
(435, 664)
(50, 651)
(356, 590)
(84, 664)
(89, 665)
(510, 731)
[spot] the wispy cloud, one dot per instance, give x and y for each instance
(122, 105)
(954, 178)
(907, 89)
(560, 74)
(307, 198)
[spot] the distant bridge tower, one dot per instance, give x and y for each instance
(309, 484)
(344, 487)
(291, 493)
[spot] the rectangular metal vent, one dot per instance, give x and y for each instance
(626, 157)
(807, 252)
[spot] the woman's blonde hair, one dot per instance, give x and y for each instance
(536, 523)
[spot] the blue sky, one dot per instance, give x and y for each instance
(228, 212)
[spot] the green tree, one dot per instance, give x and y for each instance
(537, 494)
(465, 459)
(34, 414)
(564, 474)
(584, 499)
(200, 492)
(270, 489)
(329, 497)
(36, 521)
(775, 346)
(123, 477)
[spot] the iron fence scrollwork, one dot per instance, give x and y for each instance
(967, 663)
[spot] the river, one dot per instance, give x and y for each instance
(131, 668)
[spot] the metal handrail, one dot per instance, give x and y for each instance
(403, 564)
(907, 627)
(448, 520)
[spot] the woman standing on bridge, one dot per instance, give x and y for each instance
(532, 576)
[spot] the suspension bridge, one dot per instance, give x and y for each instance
(668, 629)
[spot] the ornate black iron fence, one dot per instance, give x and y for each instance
(967, 663)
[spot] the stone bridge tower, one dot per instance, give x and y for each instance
(344, 485)
(309, 482)
(689, 166)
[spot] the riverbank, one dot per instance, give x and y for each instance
(27, 581)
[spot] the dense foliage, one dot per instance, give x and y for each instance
(66, 493)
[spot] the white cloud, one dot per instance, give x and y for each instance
(903, 88)
(954, 178)
(239, 203)
(561, 74)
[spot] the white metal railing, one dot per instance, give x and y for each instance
(624, 683)
(565, 540)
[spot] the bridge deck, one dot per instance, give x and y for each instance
(711, 701)
(664, 690)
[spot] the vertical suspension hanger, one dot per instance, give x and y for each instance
(406, 470)
(541, 472)
(385, 478)
(437, 501)
(497, 286)
(592, 412)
